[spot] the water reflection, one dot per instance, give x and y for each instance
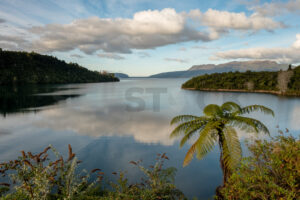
(14, 99)
(294, 118)
(113, 154)
(113, 120)
(105, 134)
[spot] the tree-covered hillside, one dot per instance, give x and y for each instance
(251, 81)
(294, 83)
(33, 68)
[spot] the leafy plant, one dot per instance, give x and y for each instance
(38, 177)
(218, 126)
(159, 183)
(271, 172)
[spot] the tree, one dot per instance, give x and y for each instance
(218, 126)
(290, 67)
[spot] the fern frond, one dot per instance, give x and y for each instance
(234, 152)
(249, 124)
(203, 145)
(243, 123)
(183, 118)
(181, 128)
(253, 108)
(189, 133)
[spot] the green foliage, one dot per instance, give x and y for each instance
(249, 80)
(35, 176)
(159, 183)
(33, 68)
(271, 172)
(38, 177)
(235, 80)
(294, 84)
(218, 126)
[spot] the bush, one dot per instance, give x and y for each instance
(272, 172)
(159, 184)
(38, 177)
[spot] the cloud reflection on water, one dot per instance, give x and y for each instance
(145, 126)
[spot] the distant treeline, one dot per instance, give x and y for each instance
(282, 81)
(33, 68)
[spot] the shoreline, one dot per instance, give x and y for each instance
(277, 93)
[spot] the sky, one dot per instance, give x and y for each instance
(145, 37)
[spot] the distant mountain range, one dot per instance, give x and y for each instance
(241, 66)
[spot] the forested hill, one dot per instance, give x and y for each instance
(280, 82)
(33, 68)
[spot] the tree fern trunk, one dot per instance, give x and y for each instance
(222, 162)
(219, 196)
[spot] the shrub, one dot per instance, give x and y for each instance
(38, 177)
(271, 172)
(159, 183)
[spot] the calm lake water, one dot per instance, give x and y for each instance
(110, 124)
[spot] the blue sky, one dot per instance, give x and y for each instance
(144, 37)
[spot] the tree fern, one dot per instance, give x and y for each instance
(218, 125)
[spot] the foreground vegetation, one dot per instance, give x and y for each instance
(271, 172)
(33, 68)
(38, 177)
(281, 82)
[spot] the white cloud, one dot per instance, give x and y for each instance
(15, 43)
(176, 60)
(111, 56)
(146, 30)
(281, 55)
(2, 20)
(223, 20)
(13, 39)
(277, 8)
(297, 42)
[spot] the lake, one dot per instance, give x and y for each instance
(111, 124)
